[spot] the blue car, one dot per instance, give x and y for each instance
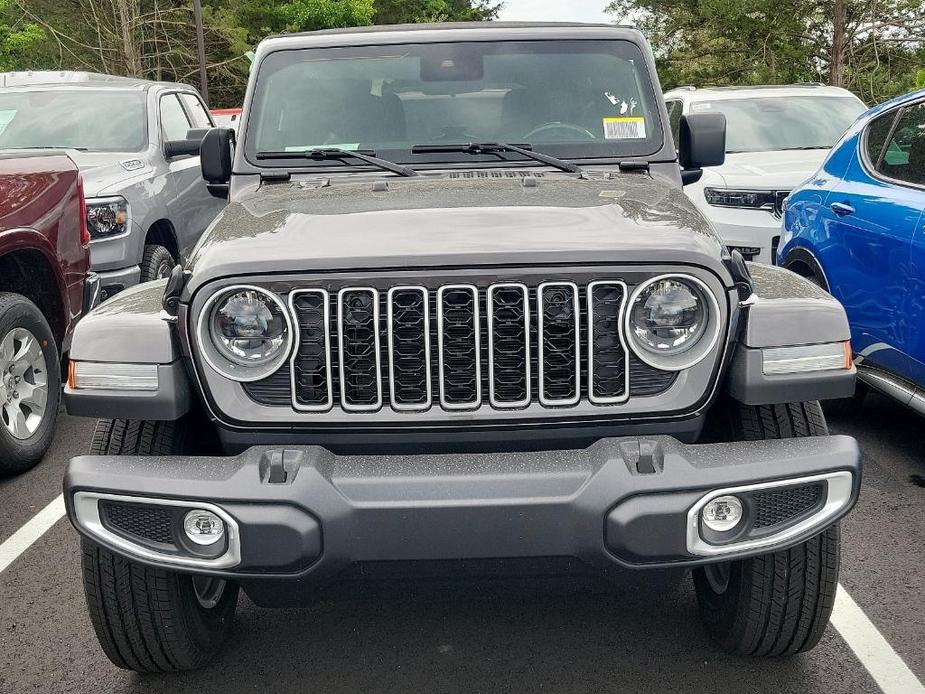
(857, 229)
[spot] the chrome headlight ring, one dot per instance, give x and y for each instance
(698, 349)
(220, 360)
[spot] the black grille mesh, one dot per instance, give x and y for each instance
(778, 506)
(409, 326)
(152, 523)
(560, 339)
(359, 359)
(459, 353)
(311, 363)
(509, 338)
(608, 375)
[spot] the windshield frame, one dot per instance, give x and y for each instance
(248, 162)
(145, 140)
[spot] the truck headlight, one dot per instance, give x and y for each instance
(245, 333)
(107, 217)
(673, 322)
(748, 199)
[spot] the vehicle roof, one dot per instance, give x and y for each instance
(78, 79)
(763, 90)
(448, 31)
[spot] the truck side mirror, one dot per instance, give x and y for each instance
(215, 156)
(702, 142)
(186, 147)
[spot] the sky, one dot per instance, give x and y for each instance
(555, 10)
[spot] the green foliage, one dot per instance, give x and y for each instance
(17, 38)
(920, 79)
(411, 11)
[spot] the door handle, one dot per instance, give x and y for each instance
(842, 209)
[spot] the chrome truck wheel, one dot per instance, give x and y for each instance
(23, 384)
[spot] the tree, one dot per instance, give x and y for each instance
(410, 11)
(869, 47)
(17, 38)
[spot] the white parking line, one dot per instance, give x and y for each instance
(23, 538)
(889, 671)
(877, 656)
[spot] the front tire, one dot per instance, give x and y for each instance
(151, 619)
(30, 384)
(156, 263)
(775, 604)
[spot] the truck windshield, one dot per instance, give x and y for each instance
(791, 123)
(93, 120)
(569, 99)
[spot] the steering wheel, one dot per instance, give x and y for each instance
(553, 126)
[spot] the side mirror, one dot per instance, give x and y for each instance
(185, 147)
(215, 156)
(702, 143)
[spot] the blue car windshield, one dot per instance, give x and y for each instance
(569, 99)
(784, 123)
(93, 120)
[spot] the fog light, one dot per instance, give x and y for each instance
(203, 527)
(722, 513)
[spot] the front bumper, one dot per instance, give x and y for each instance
(303, 512)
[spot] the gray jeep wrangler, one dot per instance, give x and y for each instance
(458, 319)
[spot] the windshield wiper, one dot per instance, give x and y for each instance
(495, 148)
(323, 153)
(794, 149)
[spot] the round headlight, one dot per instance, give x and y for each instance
(672, 322)
(245, 333)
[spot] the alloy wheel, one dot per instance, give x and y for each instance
(23, 383)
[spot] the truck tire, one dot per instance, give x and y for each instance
(151, 619)
(156, 263)
(30, 384)
(775, 604)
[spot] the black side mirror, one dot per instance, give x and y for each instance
(215, 156)
(702, 143)
(187, 146)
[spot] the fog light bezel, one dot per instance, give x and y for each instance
(724, 526)
(839, 493)
(88, 518)
(203, 540)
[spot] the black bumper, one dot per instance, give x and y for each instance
(302, 512)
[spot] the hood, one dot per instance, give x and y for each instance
(781, 170)
(454, 222)
(101, 171)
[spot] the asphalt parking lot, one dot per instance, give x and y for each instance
(640, 637)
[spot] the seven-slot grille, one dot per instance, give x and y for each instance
(462, 347)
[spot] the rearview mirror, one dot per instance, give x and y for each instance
(215, 157)
(187, 146)
(702, 143)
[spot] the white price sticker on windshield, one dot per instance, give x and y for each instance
(625, 128)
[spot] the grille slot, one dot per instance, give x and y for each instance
(508, 321)
(459, 346)
(778, 506)
(152, 523)
(409, 348)
(310, 368)
(608, 372)
(559, 359)
(358, 349)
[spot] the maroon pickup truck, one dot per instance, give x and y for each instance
(44, 288)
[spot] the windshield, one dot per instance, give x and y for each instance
(94, 120)
(569, 99)
(769, 124)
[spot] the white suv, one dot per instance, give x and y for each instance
(776, 138)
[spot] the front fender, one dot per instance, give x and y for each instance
(795, 345)
(130, 330)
